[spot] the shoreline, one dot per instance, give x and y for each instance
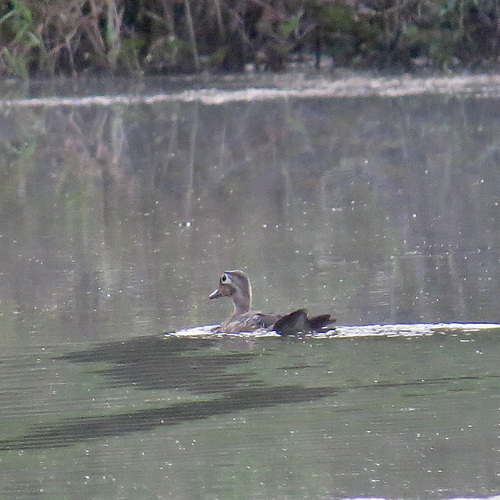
(246, 88)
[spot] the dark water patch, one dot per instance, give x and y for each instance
(159, 364)
(75, 430)
(374, 415)
(156, 363)
(81, 429)
(132, 349)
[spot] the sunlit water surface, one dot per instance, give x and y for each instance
(117, 219)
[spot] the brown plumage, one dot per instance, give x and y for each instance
(235, 284)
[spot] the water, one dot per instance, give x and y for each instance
(116, 223)
(266, 417)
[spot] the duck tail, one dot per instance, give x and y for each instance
(321, 321)
(297, 322)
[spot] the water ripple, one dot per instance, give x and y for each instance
(397, 330)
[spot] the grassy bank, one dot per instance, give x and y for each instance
(70, 37)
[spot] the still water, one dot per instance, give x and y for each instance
(116, 222)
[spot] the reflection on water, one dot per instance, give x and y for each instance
(115, 225)
(300, 418)
(379, 210)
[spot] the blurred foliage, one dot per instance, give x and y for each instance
(68, 37)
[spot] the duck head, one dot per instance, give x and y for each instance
(235, 284)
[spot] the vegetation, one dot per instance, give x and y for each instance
(69, 37)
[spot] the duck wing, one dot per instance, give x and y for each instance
(248, 322)
(267, 320)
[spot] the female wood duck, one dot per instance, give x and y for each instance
(235, 284)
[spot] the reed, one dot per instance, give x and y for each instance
(70, 37)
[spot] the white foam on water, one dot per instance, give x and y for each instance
(494, 497)
(402, 330)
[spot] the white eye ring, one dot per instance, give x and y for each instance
(224, 278)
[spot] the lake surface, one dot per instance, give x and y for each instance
(118, 215)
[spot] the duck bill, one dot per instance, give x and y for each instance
(223, 291)
(215, 294)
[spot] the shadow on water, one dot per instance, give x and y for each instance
(198, 366)
(81, 429)
(156, 363)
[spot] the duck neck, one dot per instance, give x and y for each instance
(242, 303)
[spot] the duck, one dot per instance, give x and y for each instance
(236, 284)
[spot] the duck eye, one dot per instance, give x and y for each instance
(224, 278)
